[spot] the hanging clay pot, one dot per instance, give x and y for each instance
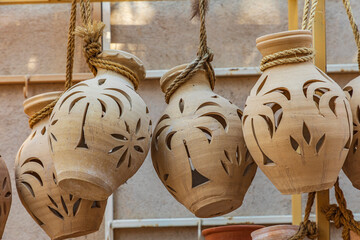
(198, 149)
(297, 121)
(352, 164)
(5, 195)
(61, 215)
(100, 131)
(235, 232)
(278, 232)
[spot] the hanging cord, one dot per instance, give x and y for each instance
(91, 33)
(353, 26)
(203, 60)
(295, 55)
(46, 111)
(307, 228)
(340, 215)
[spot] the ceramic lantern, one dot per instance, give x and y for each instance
(60, 214)
(198, 149)
(297, 121)
(5, 195)
(100, 131)
(277, 232)
(352, 164)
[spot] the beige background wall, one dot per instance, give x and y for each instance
(33, 41)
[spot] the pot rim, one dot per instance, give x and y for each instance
(282, 34)
(230, 228)
(171, 75)
(274, 228)
(37, 102)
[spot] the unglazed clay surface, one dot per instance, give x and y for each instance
(297, 121)
(100, 131)
(198, 149)
(5, 195)
(60, 214)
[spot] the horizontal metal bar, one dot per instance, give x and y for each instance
(8, 2)
(156, 74)
(194, 222)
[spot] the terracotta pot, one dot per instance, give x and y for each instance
(5, 195)
(100, 131)
(352, 167)
(279, 232)
(354, 236)
(297, 121)
(198, 149)
(60, 214)
(235, 232)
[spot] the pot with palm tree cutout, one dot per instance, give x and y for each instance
(297, 120)
(60, 214)
(100, 131)
(198, 150)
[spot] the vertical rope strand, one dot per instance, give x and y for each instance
(353, 26)
(305, 15)
(312, 14)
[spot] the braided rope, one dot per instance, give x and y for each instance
(353, 26)
(202, 61)
(307, 228)
(46, 111)
(286, 57)
(340, 215)
(305, 15)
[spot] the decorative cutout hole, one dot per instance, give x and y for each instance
(54, 122)
(278, 113)
(119, 137)
(320, 144)
(240, 114)
(115, 149)
(349, 90)
(225, 167)
(170, 188)
(227, 155)
(56, 213)
(307, 84)
(261, 85)
(122, 93)
(248, 167)
(269, 124)
(218, 117)
(138, 149)
(266, 159)
(54, 179)
(74, 102)
(332, 104)
(118, 103)
(166, 176)
(4, 183)
(138, 126)
(33, 160)
(103, 108)
(215, 96)
(101, 81)
(35, 175)
(68, 96)
(169, 138)
(157, 135)
(355, 147)
(76, 207)
(53, 201)
(207, 133)
(181, 105)
(147, 110)
(306, 133)
(82, 141)
(164, 117)
(43, 131)
(283, 91)
(64, 205)
(207, 104)
(95, 204)
(197, 178)
(33, 135)
(122, 158)
(29, 187)
(295, 145)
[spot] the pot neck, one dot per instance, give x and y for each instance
(199, 81)
(277, 42)
(107, 73)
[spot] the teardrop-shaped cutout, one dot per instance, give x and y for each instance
(306, 133)
(295, 145)
(320, 144)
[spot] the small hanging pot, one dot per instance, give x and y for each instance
(198, 149)
(5, 195)
(278, 232)
(60, 214)
(100, 131)
(297, 121)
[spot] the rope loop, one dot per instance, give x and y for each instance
(340, 215)
(203, 60)
(286, 57)
(307, 228)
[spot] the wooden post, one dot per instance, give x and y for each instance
(293, 25)
(293, 15)
(319, 33)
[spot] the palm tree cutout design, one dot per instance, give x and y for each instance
(130, 144)
(119, 96)
(168, 131)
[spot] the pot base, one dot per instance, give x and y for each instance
(214, 206)
(84, 186)
(308, 189)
